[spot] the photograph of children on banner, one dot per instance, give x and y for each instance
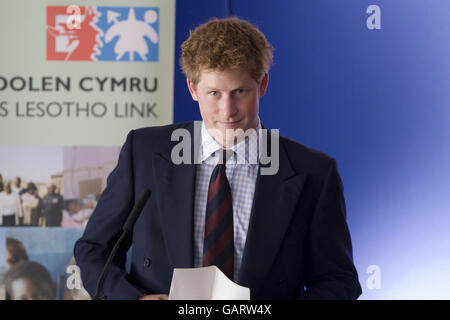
(44, 186)
(38, 264)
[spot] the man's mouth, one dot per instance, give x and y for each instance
(230, 124)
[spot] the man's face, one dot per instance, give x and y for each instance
(228, 100)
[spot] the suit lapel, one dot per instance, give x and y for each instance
(176, 189)
(273, 205)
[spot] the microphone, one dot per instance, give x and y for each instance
(127, 229)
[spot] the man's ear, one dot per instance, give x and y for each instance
(263, 85)
(192, 89)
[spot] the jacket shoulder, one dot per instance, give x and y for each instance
(304, 158)
(157, 138)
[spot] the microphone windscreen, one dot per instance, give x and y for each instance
(137, 209)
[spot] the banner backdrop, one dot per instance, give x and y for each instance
(75, 78)
(84, 74)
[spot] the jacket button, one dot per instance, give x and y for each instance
(147, 262)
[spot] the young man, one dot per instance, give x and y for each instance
(283, 234)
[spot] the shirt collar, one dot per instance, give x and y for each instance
(245, 152)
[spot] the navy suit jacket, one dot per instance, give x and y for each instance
(298, 244)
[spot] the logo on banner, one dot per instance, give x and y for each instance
(88, 33)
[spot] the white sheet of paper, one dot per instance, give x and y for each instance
(206, 283)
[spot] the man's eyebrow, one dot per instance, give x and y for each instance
(242, 86)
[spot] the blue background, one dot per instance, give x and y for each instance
(376, 100)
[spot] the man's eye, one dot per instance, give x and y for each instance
(213, 93)
(239, 91)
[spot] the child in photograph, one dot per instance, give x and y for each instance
(29, 281)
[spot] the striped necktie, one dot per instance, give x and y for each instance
(218, 248)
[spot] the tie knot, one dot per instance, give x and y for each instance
(224, 155)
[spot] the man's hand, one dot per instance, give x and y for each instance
(154, 297)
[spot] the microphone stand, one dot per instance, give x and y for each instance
(127, 229)
(98, 293)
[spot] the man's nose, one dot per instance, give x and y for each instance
(228, 107)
